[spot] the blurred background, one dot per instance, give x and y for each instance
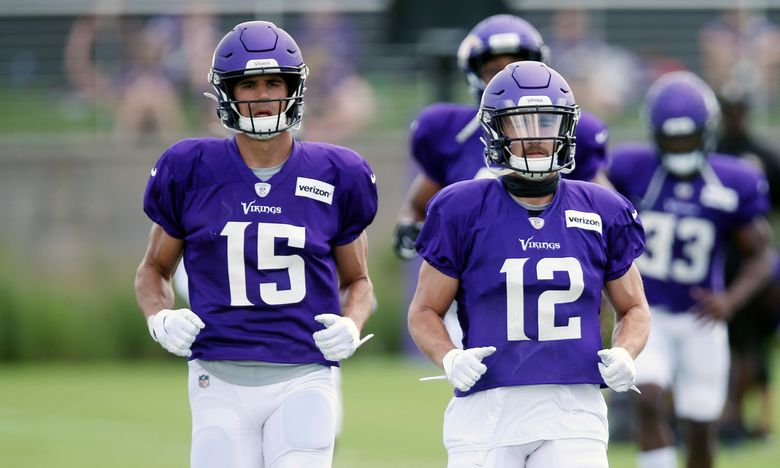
(92, 92)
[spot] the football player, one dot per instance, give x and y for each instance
(691, 202)
(526, 257)
(445, 140)
(272, 233)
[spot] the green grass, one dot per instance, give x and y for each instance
(136, 414)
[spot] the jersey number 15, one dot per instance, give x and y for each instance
(266, 260)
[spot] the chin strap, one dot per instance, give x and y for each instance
(520, 187)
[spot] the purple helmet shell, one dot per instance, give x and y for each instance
(679, 95)
(536, 100)
(498, 35)
(253, 48)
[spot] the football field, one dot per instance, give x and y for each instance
(129, 415)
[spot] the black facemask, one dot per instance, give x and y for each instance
(528, 188)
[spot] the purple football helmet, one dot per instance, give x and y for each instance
(528, 116)
(498, 35)
(255, 48)
(683, 114)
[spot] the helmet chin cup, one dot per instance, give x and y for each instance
(262, 128)
(683, 164)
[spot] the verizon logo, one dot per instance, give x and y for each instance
(583, 220)
(314, 189)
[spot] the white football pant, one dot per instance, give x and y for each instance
(284, 425)
(692, 359)
(561, 453)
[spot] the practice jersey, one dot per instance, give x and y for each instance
(531, 286)
(259, 254)
(446, 144)
(687, 222)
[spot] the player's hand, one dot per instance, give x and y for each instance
(617, 368)
(405, 236)
(711, 306)
(339, 339)
(464, 366)
(175, 330)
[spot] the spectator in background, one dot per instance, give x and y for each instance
(735, 137)
(339, 102)
(149, 99)
(742, 46)
(94, 59)
(753, 327)
(198, 34)
(602, 76)
(119, 65)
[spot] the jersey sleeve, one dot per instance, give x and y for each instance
(358, 205)
(439, 242)
(753, 198)
(164, 196)
(423, 145)
(625, 240)
(591, 149)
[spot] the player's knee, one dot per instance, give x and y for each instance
(212, 447)
(308, 420)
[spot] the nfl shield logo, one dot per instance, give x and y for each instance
(537, 223)
(203, 381)
(262, 189)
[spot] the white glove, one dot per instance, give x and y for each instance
(339, 339)
(464, 366)
(617, 368)
(175, 330)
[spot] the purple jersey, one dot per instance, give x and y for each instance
(446, 144)
(531, 286)
(259, 254)
(687, 222)
(591, 150)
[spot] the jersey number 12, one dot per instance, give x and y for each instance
(515, 298)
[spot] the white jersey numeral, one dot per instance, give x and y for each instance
(515, 298)
(661, 230)
(266, 260)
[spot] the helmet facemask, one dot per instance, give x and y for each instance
(682, 154)
(288, 111)
(533, 141)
